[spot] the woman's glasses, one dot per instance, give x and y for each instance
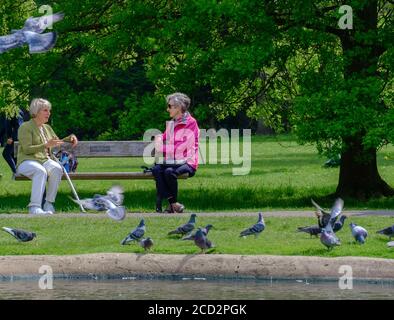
(171, 106)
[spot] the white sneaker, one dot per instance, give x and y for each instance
(48, 206)
(38, 211)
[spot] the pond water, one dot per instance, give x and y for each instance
(133, 288)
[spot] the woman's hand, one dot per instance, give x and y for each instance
(74, 140)
(53, 143)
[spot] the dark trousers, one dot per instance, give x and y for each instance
(8, 155)
(166, 177)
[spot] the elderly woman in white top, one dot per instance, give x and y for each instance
(35, 159)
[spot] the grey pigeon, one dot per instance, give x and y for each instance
(204, 231)
(202, 241)
(329, 239)
(312, 230)
(20, 235)
(256, 229)
(359, 233)
(136, 234)
(32, 35)
(323, 217)
(326, 221)
(146, 243)
(390, 244)
(185, 228)
(111, 203)
(389, 231)
(339, 224)
(115, 194)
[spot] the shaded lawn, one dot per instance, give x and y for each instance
(284, 175)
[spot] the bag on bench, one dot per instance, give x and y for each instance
(68, 160)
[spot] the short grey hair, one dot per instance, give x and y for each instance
(180, 100)
(37, 104)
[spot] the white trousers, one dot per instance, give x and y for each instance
(39, 173)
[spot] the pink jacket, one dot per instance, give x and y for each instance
(180, 140)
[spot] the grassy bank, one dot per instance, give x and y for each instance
(77, 235)
(284, 175)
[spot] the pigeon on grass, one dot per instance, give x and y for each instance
(359, 233)
(201, 241)
(329, 239)
(20, 235)
(311, 230)
(146, 243)
(339, 224)
(205, 231)
(389, 231)
(136, 234)
(185, 228)
(256, 229)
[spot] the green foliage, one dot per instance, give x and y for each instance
(142, 113)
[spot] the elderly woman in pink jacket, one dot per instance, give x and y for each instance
(179, 146)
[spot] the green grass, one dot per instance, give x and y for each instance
(284, 175)
(78, 235)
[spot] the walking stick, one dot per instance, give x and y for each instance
(70, 183)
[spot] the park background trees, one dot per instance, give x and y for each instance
(286, 62)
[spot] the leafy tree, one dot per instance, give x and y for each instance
(291, 57)
(280, 60)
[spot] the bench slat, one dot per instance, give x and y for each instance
(107, 176)
(103, 149)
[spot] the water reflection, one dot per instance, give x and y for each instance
(190, 289)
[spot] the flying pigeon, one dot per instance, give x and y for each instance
(111, 203)
(136, 234)
(202, 241)
(339, 224)
(256, 229)
(204, 231)
(146, 243)
(329, 239)
(20, 235)
(312, 230)
(359, 233)
(185, 228)
(324, 217)
(32, 34)
(389, 231)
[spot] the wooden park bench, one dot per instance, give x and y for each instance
(105, 149)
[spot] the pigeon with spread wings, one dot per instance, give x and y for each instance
(324, 217)
(111, 203)
(32, 35)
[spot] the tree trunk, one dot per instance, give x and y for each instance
(358, 176)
